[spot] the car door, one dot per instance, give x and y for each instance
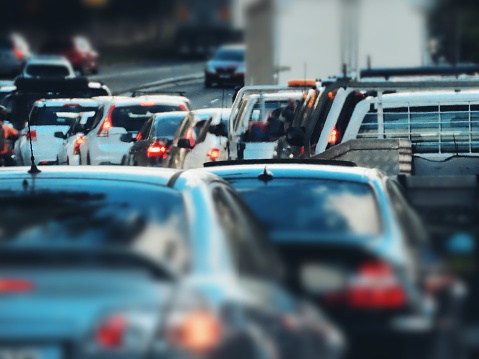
(138, 155)
(176, 155)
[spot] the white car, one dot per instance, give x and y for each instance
(211, 144)
(69, 152)
(48, 67)
(118, 116)
(46, 118)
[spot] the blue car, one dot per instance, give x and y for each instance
(352, 244)
(114, 263)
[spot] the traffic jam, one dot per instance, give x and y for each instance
(228, 192)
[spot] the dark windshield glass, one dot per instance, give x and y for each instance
(312, 206)
(166, 127)
(94, 213)
(132, 118)
(229, 55)
(48, 116)
(47, 71)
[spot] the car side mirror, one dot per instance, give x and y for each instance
(184, 143)
(295, 136)
(218, 130)
(127, 137)
(60, 134)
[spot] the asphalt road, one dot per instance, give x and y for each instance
(123, 78)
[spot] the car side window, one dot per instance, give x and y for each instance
(204, 131)
(182, 128)
(97, 118)
(248, 257)
(145, 130)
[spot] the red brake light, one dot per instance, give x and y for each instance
(15, 286)
(147, 104)
(32, 135)
(76, 148)
(157, 149)
(110, 333)
(106, 125)
(374, 287)
(214, 154)
(183, 107)
(139, 137)
(198, 332)
(333, 137)
(19, 54)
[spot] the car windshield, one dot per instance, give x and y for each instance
(324, 208)
(229, 55)
(132, 118)
(47, 116)
(90, 213)
(166, 127)
(47, 71)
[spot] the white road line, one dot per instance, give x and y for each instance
(140, 72)
(214, 101)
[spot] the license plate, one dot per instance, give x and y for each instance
(29, 352)
(225, 76)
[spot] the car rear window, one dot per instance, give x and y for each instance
(324, 208)
(166, 127)
(229, 55)
(47, 116)
(94, 213)
(132, 118)
(47, 71)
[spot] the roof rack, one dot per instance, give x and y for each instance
(279, 161)
(138, 93)
(472, 69)
(51, 85)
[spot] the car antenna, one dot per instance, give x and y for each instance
(266, 176)
(33, 168)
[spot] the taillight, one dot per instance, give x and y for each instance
(157, 149)
(111, 332)
(15, 286)
(106, 125)
(214, 154)
(19, 54)
(333, 137)
(198, 332)
(76, 147)
(32, 135)
(139, 137)
(374, 287)
(183, 107)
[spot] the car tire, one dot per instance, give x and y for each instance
(88, 160)
(124, 161)
(208, 84)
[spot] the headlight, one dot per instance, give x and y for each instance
(210, 68)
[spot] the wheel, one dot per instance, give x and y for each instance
(88, 160)
(68, 161)
(124, 161)
(57, 162)
(208, 84)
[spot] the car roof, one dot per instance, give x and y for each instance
(166, 115)
(47, 60)
(294, 170)
(126, 100)
(276, 96)
(430, 96)
(66, 101)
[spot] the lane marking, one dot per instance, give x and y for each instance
(141, 71)
(214, 101)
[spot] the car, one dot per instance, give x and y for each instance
(46, 118)
(117, 116)
(227, 66)
(19, 102)
(190, 133)
(77, 49)
(256, 123)
(14, 50)
(211, 143)
(154, 139)
(46, 66)
(353, 245)
(69, 152)
(161, 260)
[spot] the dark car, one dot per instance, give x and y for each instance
(227, 67)
(14, 50)
(89, 258)
(353, 245)
(77, 50)
(153, 141)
